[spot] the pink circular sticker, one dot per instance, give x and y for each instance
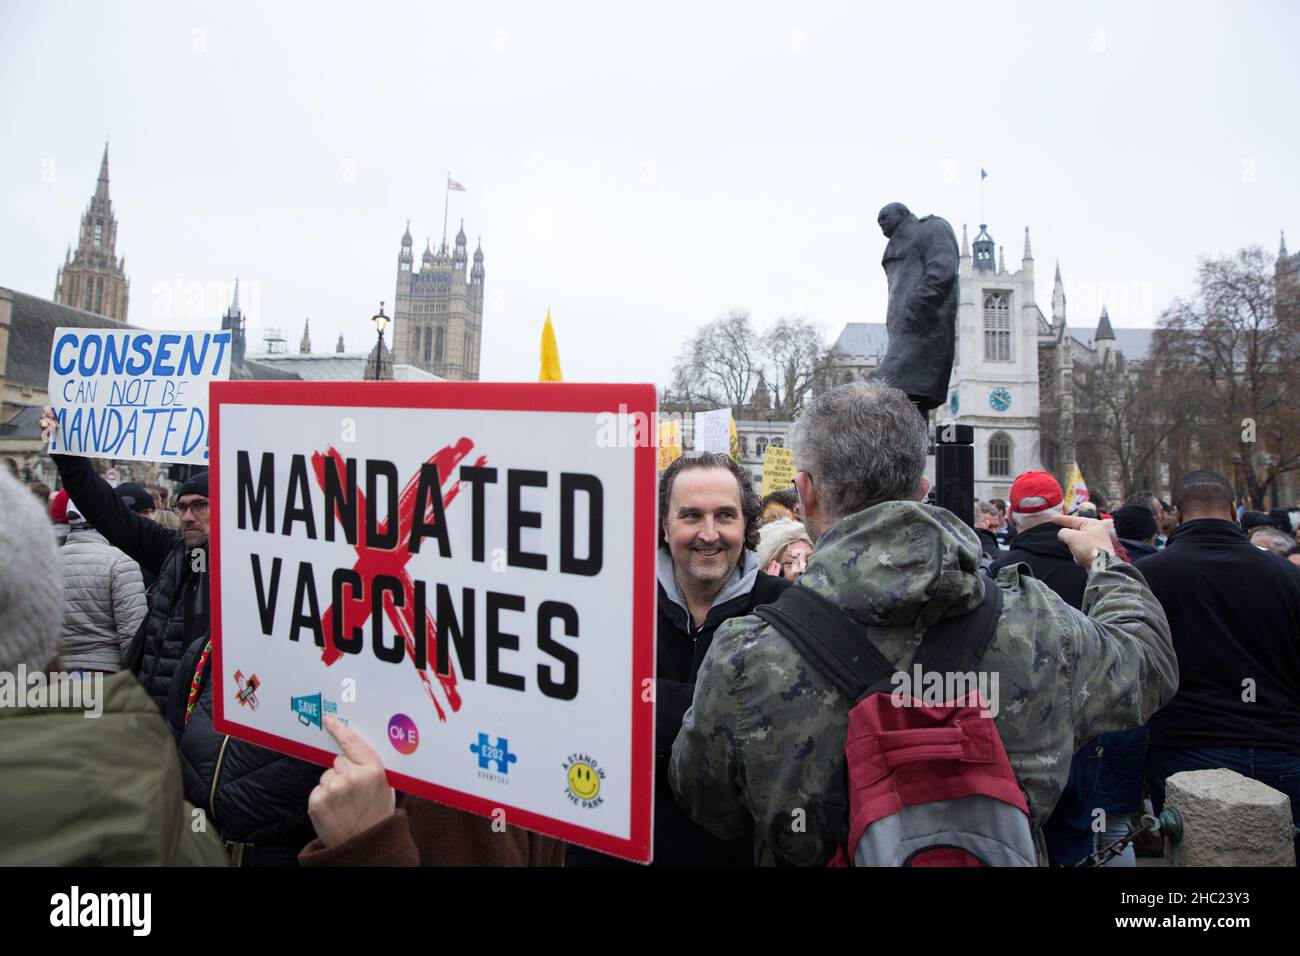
(402, 734)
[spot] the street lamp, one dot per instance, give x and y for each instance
(381, 322)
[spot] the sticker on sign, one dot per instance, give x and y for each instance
(461, 569)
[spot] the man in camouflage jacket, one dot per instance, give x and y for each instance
(765, 733)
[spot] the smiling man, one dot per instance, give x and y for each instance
(708, 530)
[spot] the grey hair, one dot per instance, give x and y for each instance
(990, 509)
(862, 443)
(1279, 541)
(1025, 520)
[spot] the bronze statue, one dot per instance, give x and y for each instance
(921, 263)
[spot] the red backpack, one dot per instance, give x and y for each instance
(923, 784)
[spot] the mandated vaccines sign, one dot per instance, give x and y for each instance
(463, 573)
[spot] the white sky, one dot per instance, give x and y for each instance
(640, 168)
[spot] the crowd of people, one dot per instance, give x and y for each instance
(1128, 646)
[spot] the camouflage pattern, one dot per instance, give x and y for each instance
(766, 731)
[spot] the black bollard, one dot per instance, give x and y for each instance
(954, 466)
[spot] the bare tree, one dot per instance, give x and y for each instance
(1128, 413)
(794, 352)
(1238, 340)
(719, 364)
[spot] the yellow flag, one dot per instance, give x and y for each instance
(550, 353)
(1077, 492)
(735, 442)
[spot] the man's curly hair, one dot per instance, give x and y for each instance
(750, 508)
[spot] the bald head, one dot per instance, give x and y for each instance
(891, 217)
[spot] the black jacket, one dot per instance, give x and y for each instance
(261, 795)
(1049, 559)
(988, 543)
(680, 650)
(1234, 612)
(251, 794)
(1136, 549)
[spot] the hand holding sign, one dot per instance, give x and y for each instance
(354, 794)
(49, 423)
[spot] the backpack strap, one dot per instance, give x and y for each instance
(837, 646)
(957, 643)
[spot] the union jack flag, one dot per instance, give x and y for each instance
(452, 184)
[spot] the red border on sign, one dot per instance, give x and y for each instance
(528, 397)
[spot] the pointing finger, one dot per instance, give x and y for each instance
(350, 742)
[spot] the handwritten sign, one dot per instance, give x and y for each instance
(778, 469)
(713, 431)
(135, 395)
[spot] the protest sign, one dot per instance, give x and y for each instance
(461, 572)
(713, 431)
(778, 469)
(670, 442)
(135, 395)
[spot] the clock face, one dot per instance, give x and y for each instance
(1000, 399)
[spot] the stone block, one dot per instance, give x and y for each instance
(1229, 820)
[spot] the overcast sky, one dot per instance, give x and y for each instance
(640, 168)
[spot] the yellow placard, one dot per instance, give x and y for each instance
(778, 469)
(670, 442)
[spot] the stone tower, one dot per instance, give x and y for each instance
(994, 384)
(438, 317)
(93, 278)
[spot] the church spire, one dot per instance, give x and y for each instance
(1028, 254)
(94, 278)
(1002, 259)
(304, 347)
(101, 187)
(965, 246)
(1104, 331)
(1058, 297)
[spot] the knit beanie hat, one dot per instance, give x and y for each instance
(775, 535)
(1135, 522)
(198, 485)
(31, 589)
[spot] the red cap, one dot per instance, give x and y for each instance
(59, 507)
(1035, 484)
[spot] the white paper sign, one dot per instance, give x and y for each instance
(713, 431)
(135, 395)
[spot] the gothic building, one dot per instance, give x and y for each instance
(438, 317)
(93, 278)
(1008, 357)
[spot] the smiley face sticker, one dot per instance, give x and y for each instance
(582, 780)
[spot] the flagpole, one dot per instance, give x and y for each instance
(983, 176)
(446, 204)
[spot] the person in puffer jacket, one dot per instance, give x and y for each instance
(103, 600)
(267, 790)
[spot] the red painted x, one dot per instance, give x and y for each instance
(392, 561)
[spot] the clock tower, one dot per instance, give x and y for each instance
(994, 384)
